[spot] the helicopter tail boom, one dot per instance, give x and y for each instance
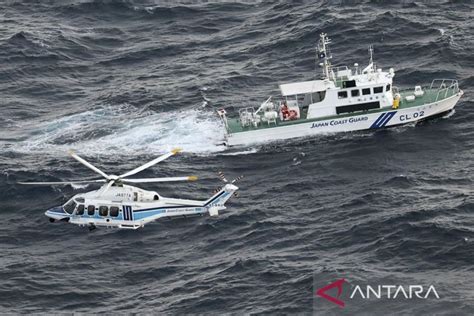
(217, 201)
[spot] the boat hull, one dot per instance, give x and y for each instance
(363, 121)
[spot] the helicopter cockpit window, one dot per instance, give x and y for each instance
(79, 200)
(80, 209)
(114, 211)
(103, 210)
(69, 207)
(90, 210)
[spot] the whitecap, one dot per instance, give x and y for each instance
(124, 130)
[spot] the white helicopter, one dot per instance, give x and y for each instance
(119, 205)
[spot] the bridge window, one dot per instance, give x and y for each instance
(349, 84)
(342, 94)
(378, 89)
(103, 210)
(387, 88)
(366, 91)
(355, 93)
(114, 211)
(80, 209)
(357, 107)
(90, 210)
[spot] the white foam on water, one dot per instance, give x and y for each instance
(125, 130)
(449, 114)
(77, 186)
(238, 153)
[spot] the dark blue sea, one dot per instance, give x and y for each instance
(121, 82)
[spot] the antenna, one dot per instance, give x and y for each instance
(324, 54)
(371, 54)
(371, 61)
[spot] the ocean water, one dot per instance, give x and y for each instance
(121, 82)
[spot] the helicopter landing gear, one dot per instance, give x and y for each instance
(92, 227)
(51, 220)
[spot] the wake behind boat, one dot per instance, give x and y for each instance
(346, 99)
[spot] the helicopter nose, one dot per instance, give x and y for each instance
(57, 209)
(56, 212)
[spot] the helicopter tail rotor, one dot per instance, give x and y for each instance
(223, 178)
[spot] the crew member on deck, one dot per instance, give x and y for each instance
(288, 114)
(284, 111)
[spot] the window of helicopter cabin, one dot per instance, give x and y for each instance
(387, 88)
(114, 211)
(69, 207)
(103, 210)
(342, 94)
(80, 209)
(355, 93)
(366, 91)
(378, 89)
(90, 210)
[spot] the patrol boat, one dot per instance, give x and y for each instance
(345, 99)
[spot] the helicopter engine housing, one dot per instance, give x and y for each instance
(147, 196)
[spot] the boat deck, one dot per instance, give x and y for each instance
(430, 95)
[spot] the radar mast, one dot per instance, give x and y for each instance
(325, 54)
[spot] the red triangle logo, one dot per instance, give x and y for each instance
(322, 292)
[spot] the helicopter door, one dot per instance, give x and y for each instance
(127, 213)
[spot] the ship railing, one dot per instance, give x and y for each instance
(342, 72)
(444, 88)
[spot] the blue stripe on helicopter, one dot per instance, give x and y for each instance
(139, 214)
(222, 195)
(154, 211)
(383, 119)
(184, 206)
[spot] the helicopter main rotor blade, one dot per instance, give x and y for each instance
(89, 165)
(62, 182)
(151, 163)
(167, 179)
